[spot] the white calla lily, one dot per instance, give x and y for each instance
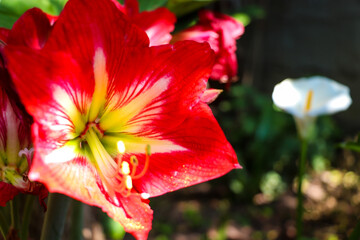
(307, 98)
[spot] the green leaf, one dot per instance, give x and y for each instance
(354, 146)
(244, 18)
(6, 20)
(351, 145)
(182, 7)
(148, 5)
(356, 232)
(11, 10)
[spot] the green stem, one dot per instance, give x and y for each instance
(55, 217)
(77, 220)
(300, 197)
(26, 217)
(355, 234)
(12, 214)
(2, 232)
(4, 224)
(16, 212)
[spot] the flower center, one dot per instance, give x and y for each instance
(116, 172)
(309, 97)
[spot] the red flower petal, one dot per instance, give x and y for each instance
(210, 95)
(96, 72)
(80, 179)
(86, 25)
(158, 24)
(221, 32)
(132, 7)
(7, 193)
(208, 155)
(31, 29)
(59, 89)
(221, 21)
(170, 80)
(4, 33)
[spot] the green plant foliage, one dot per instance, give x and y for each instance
(193, 216)
(11, 10)
(351, 145)
(148, 5)
(182, 7)
(113, 229)
(272, 184)
(266, 141)
(165, 229)
(250, 13)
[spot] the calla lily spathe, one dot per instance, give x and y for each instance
(312, 96)
(307, 98)
(117, 121)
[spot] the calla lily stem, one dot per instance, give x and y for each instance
(55, 217)
(300, 197)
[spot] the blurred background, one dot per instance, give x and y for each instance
(282, 39)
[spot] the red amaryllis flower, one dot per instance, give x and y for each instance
(15, 152)
(15, 137)
(117, 121)
(221, 32)
(158, 24)
(31, 29)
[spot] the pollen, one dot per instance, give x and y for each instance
(309, 97)
(128, 182)
(125, 168)
(121, 147)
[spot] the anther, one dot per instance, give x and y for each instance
(125, 168)
(134, 160)
(121, 147)
(146, 165)
(128, 182)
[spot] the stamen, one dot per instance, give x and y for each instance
(121, 147)
(125, 168)
(148, 150)
(128, 182)
(105, 163)
(308, 101)
(146, 165)
(28, 154)
(117, 175)
(134, 160)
